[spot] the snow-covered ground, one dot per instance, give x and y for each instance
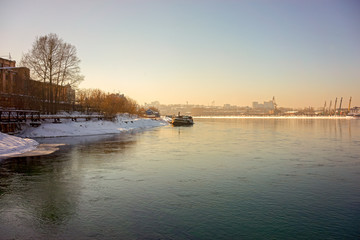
(93, 127)
(12, 146)
(15, 146)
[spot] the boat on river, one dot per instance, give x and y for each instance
(182, 120)
(354, 112)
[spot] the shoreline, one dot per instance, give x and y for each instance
(69, 128)
(25, 144)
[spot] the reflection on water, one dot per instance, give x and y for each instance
(47, 188)
(219, 179)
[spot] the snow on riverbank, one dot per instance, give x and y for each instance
(12, 146)
(93, 127)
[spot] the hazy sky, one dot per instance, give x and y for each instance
(301, 52)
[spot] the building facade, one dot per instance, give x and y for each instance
(19, 91)
(269, 105)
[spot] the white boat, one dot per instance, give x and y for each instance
(168, 118)
(354, 112)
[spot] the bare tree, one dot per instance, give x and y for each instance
(109, 104)
(55, 63)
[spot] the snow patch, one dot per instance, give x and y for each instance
(11, 146)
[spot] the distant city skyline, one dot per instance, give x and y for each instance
(266, 104)
(228, 52)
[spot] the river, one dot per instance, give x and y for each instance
(219, 179)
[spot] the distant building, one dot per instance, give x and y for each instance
(269, 105)
(153, 104)
(151, 113)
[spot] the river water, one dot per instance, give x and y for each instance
(219, 179)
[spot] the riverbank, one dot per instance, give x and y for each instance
(69, 128)
(12, 146)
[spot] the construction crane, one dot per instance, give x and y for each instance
(335, 107)
(340, 106)
(330, 107)
(349, 105)
(275, 105)
(324, 108)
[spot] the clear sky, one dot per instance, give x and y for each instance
(235, 52)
